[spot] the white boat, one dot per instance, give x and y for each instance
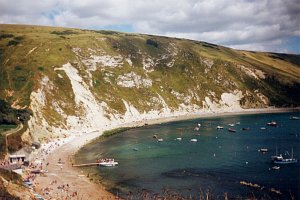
(277, 157)
(220, 127)
(194, 140)
(263, 128)
(179, 138)
(275, 167)
(295, 118)
(231, 125)
(199, 125)
(263, 150)
(196, 128)
(108, 163)
(160, 140)
(285, 161)
(272, 123)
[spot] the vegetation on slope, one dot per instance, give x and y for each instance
(183, 72)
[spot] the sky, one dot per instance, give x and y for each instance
(258, 25)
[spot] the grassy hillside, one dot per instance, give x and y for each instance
(139, 69)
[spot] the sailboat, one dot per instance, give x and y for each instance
(277, 157)
(283, 161)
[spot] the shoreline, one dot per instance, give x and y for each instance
(78, 183)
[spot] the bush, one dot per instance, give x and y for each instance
(65, 32)
(9, 115)
(18, 67)
(152, 42)
(13, 43)
(3, 36)
(19, 38)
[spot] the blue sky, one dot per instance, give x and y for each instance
(261, 25)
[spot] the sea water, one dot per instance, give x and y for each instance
(214, 165)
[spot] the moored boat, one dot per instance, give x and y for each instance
(220, 127)
(160, 140)
(286, 161)
(231, 130)
(194, 140)
(108, 162)
(294, 118)
(283, 161)
(263, 150)
(277, 157)
(272, 123)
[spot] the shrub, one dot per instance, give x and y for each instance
(65, 32)
(13, 43)
(18, 67)
(152, 42)
(3, 36)
(19, 38)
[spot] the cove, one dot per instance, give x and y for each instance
(215, 164)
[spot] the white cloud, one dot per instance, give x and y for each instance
(242, 23)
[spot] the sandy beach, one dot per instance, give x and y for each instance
(62, 181)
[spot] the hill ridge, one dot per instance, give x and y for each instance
(82, 80)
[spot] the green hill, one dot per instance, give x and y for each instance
(83, 79)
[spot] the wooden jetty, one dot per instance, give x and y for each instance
(85, 165)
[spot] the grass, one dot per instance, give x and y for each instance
(115, 131)
(5, 127)
(14, 141)
(3, 148)
(21, 71)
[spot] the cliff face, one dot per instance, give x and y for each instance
(82, 80)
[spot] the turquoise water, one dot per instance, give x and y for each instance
(217, 162)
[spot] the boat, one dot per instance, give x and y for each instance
(263, 128)
(231, 130)
(108, 162)
(194, 140)
(272, 123)
(199, 125)
(277, 157)
(285, 161)
(160, 140)
(231, 125)
(197, 134)
(196, 128)
(246, 129)
(263, 150)
(220, 127)
(294, 118)
(275, 167)
(179, 138)
(155, 136)
(135, 149)
(238, 123)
